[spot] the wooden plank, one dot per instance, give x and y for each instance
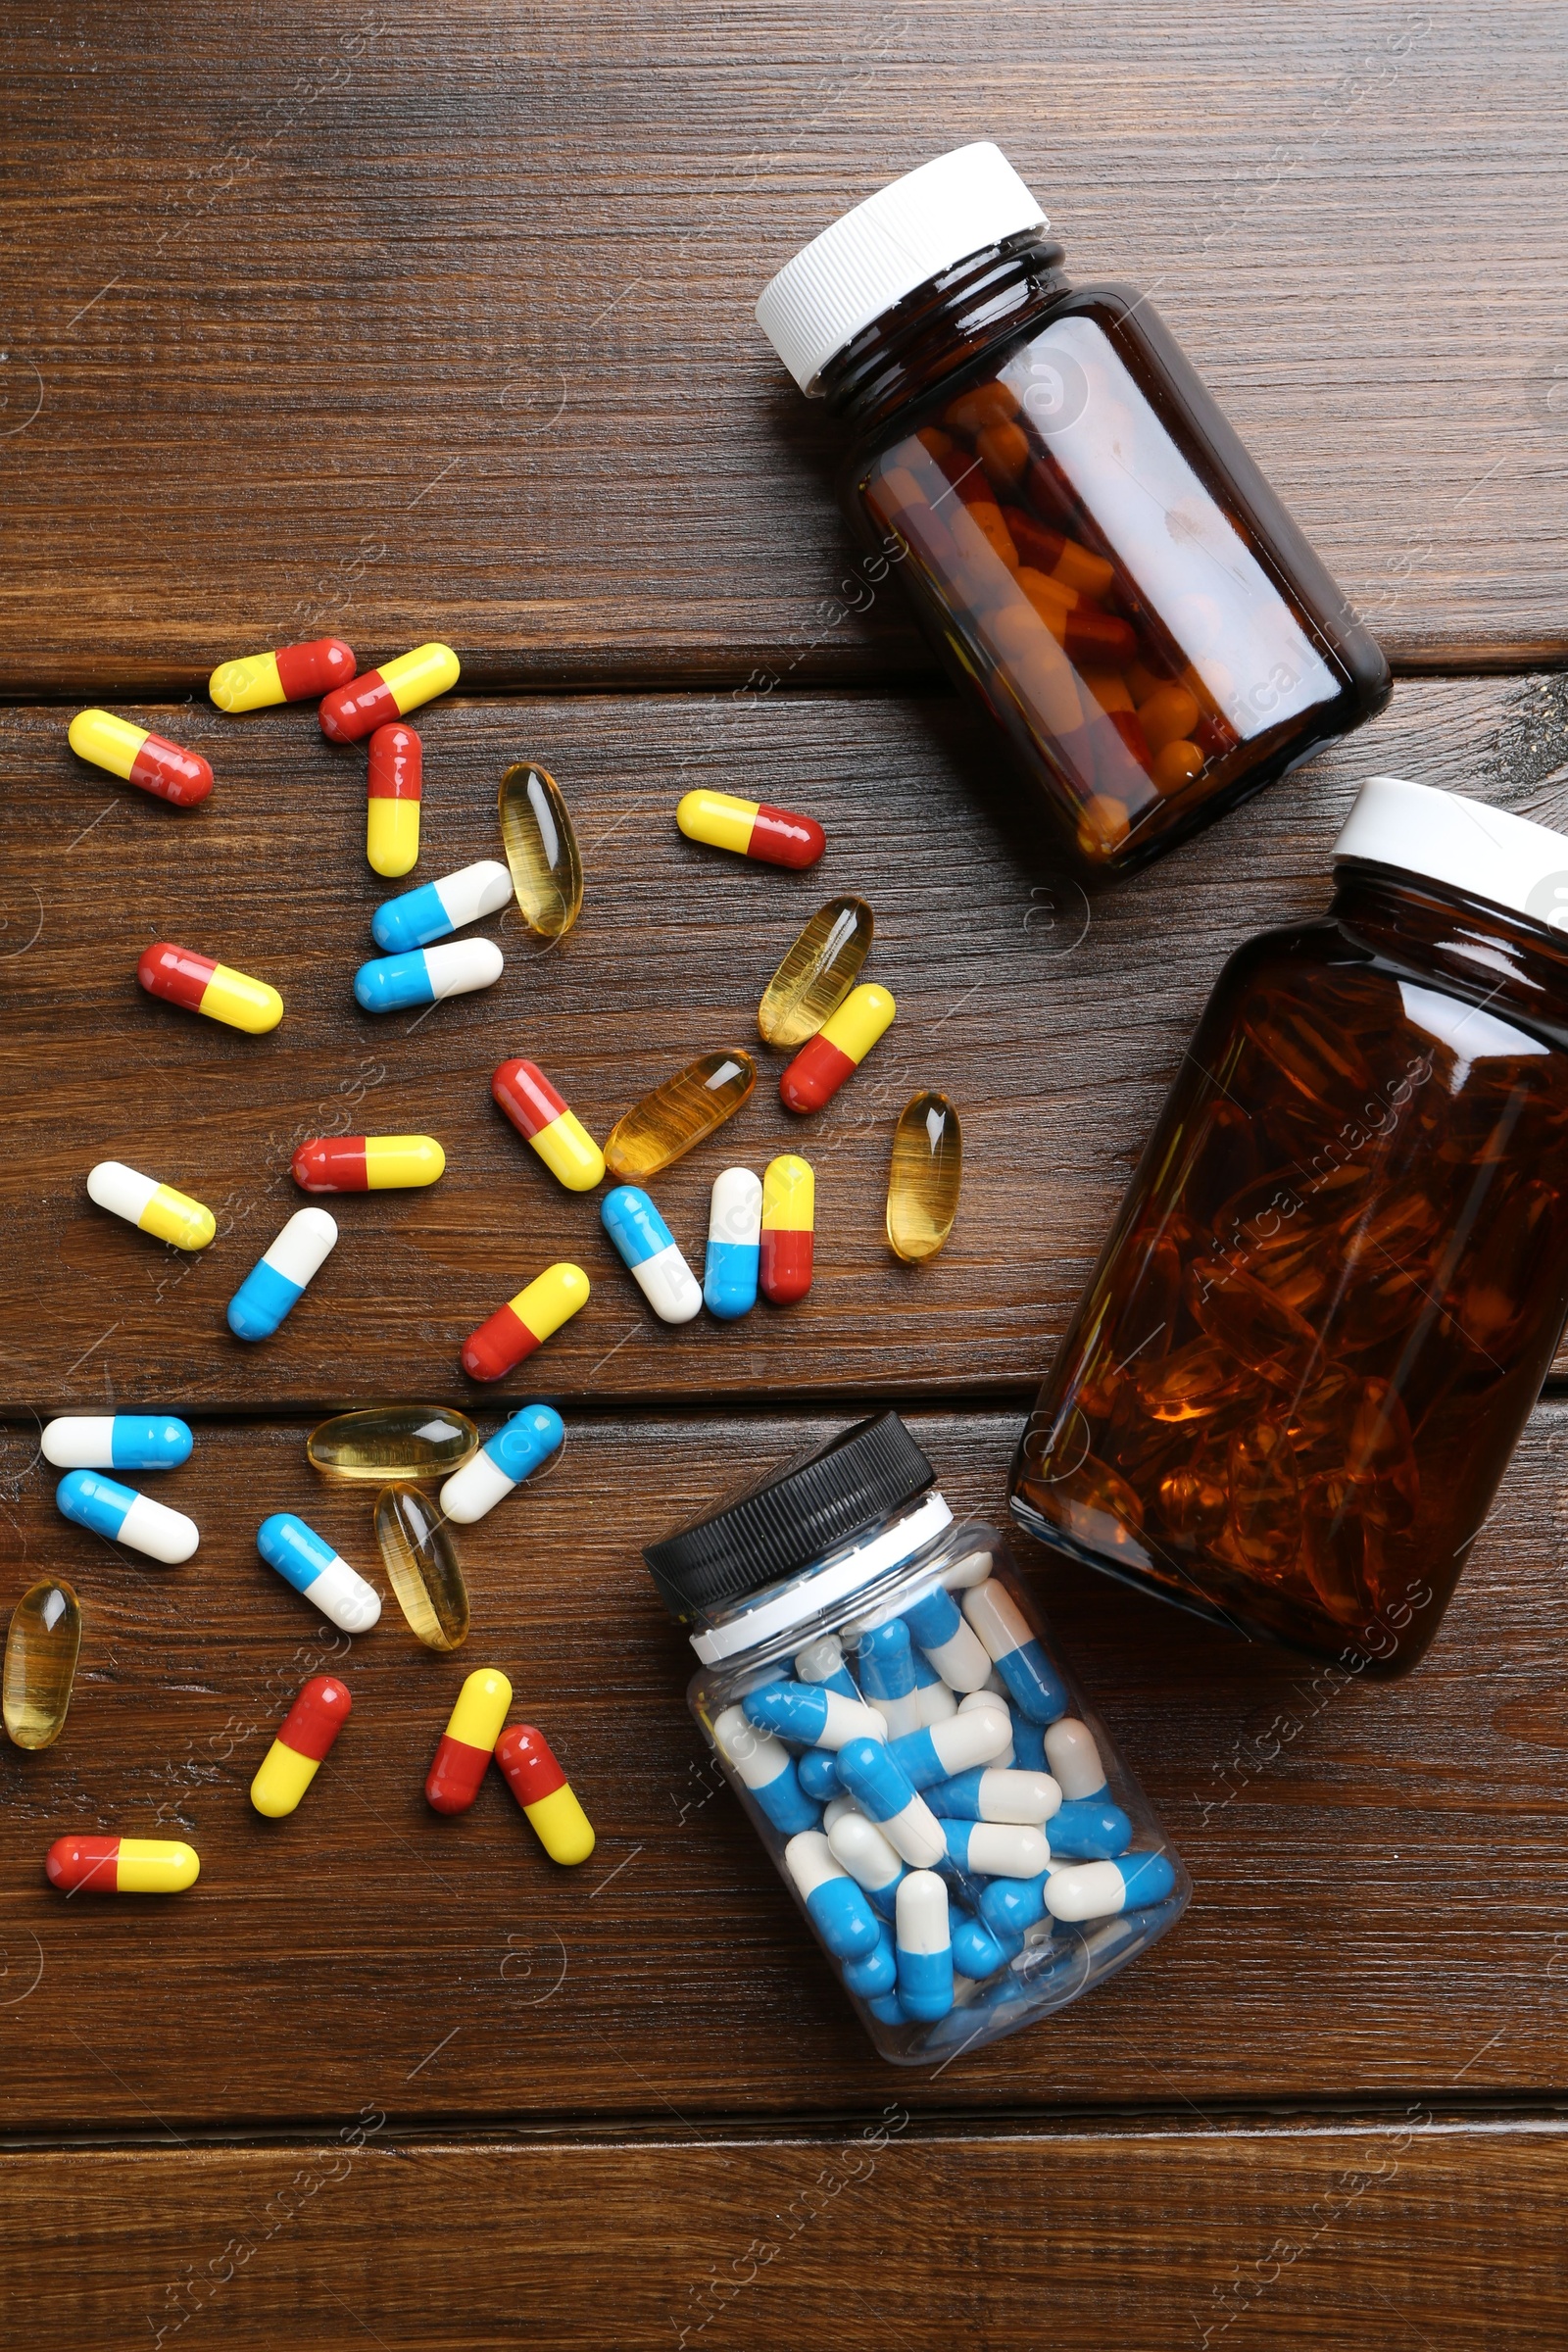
(1380, 1872)
(1346, 2239)
(1055, 1030)
(436, 320)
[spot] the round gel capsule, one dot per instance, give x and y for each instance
(199, 983)
(121, 1865)
(152, 1207)
(116, 1442)
(544, 1793)
(541, 850)
(41, 1665)
(924, 1179)
(468, 1743)
(422, 1566)
(123, 1516)
(502, 1462)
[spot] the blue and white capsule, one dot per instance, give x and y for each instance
(819, 1774)
(764, 1766)
(924, 1948)
(116, 1442)
(734, 1244)
(865, 1854)
(1090, 1829)
(957, 1654)
(939, 1750)
(822, 1661)
(647, 1246)
(1010, 1908)
(416, 918)
(1072, 1756)
(276, 1281)
(400, 983)
(1033, 1683)
(886, 1661)
(123, 1516)
(997, 1849)
(883, 1793)
(976, 1951)
(878, 1973)
(937, 1702)
(308, 1562)
(1029, 1746)
(814, 1714)
(1097, 1889)
(989, 1794)
(502, 1462)
(834, 1904)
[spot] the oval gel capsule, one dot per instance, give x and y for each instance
(651, 1253)
(540, 1114)
(838, 1049)
(203, 985)
(732, 1267)
(502, 1463)
(123, 1516)
(121, 1865)
(116, 1442)
(680, 1112)
(352, 712)
(789, 1217)
(544, 1794)
(751, 829)
(394, 785)
(468, 1743)
(152, 1207)
(277, 1280)
(422, 1567)
(817, 974)
(292, 673)
(367, 1163)
(524, 1323)
(304, 1738)
(399, 982)
(438, 908)
(42, 1643)
(541, 850)
(150, 761)
(392, 1441)
(308, 1562)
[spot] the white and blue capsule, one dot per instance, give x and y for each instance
(308, 1562)
(884, 1794)
(502, 1462)
(647, 1246)
(997, 1849)
(937, 1702)
(812, 1714)
(878, 1973)
(1033, 1683)
(1089, 1828)
(764, 1766)
(953, 1648)
(417, 918)
(819, 1774)
(834, 1904)
(865, 1853)
(401, 983)
(989, 1795)
(1097, 1889)
(822, 1661)
(116, 1442)
(976, 1950)
(886, 1661)
(120, 1514)
(1072, 1756)
(924, 1948)
(276, 1281)
(939, 1750)
(734, 1244)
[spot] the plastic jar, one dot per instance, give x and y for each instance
(874, 1680)
(1090, 548)
(1341, 1272)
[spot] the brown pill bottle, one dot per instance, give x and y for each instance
(1341, 1272)
(1089, 547)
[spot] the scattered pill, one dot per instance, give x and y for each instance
(278, 1279)
(925, 1177)
(789, 1214)
(555, 1131)
(41, 1665)
(817, 974)
(1033, 1683)
(682, 1111)
(525, 1322)
(398, 983)
(1073, 1757)
(822, 1661)
(394, 787)
(502, 1462)
(422, 1566)
(886, 1795)
(925, 1946)
(835, 1905)
(731, 1266)
(838, 1049)
(150, 762)
(652, 1254)
(152, 1207)
(819, 1774)
(764, 1766)
(123, 1516)
(304, 1737)
(308, 1562)
(1094, 1890)
(868, 1857)
(292, 673)
(989, 1793)
(995, 1849)
(939, 1750)
(202, 984)
(438, 908)
(812, 1713)
(953, 1648)
(468, 1743)
(393, 1440)
(544, 1794)
(541, 850)
(116, 1442)
(352, 712)
(121, 1865)
(751, 829)
(367, 1163)
(886, 1677)
(1087, 1828)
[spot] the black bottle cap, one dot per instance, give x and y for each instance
(790, 1517)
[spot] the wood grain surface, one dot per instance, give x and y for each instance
(1055, 1025)
(414, 320)
(1379, 1872)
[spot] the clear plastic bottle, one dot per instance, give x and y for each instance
(1089, 546)
(842, 1580)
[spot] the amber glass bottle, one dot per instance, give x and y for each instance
(1089, 546)
(1340, 1271)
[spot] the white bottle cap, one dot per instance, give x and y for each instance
(1482, 851)
(906, 234)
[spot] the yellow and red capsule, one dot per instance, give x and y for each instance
(367, 1163)
(351, 713)
(838, 1049)
(182, 977)
(525, 1322)
(555, 1131)
(290, 673)
(150, 761)
(121, 1865)
(544, 1794)
(469, 1741)
(789, 1219)
(393, 784)
(304, 1738)
(751, 829)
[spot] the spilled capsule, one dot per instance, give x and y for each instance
(388, 1441)
(751, 829)
(350, 712)
(121, 1515)
(152, 1207)
(730, 1269)
(546, 1795)
(525, 1322)
(651, 1254)
(308, 1562)
(462, 1755)
(291, 674)
(121, 1865)
(838, 1049)
(817, 974)
(427, 976)
(42, 1643)
(502, 1462)
(422, 1566)
(277, 1280)
(305, 1739)
(681, 1111)
(394, 786)
(924, 1178)
(367, 1163)
(539, 1113)
(541, 850)
(438, 908)
(789, 1217)
(203, 985)
(116, 1442)
(136, 757)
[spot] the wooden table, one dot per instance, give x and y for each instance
(425, 321)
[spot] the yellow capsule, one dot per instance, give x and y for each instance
(41, 1666)
(395, 1442)
(422, 1567)
(925, 1177)
(684, 1110)
(155, 1866)
(392, 836)
(541, 850)
(153, 1208)
(817, 974)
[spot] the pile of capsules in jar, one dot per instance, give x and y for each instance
(397, 1446)
(952, 1819)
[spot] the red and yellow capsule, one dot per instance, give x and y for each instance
(150, 762)
(122, 1865)
(751, 829)
(367, 1163)
(182, 977)
(393, 782)
(469, 1741)
(525, 1322)
(304, 1737)
(357, 709)
(555, 1131)
(291, 674)
(545, 1794)
(838, 1049)
(789, 1217)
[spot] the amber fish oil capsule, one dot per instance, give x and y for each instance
(422, 1566)
(541, 850)
(121, 1865)
(202, 984)
(291, 674)
(304, 1738)
(352, 712)
(41, 1649)
(751, 829)
(925, 1177)
(838, 1049)
(152, 1207)
(393, 1442)
(545, 1794)
(469, 1741)
(682, 1111)
(394, 785)
(150, 761)
(817, 974)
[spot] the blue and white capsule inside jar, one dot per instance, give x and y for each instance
(965, 1842)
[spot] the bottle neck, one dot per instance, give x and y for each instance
(942, 326)
(1500, 959)
(851, 1574)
